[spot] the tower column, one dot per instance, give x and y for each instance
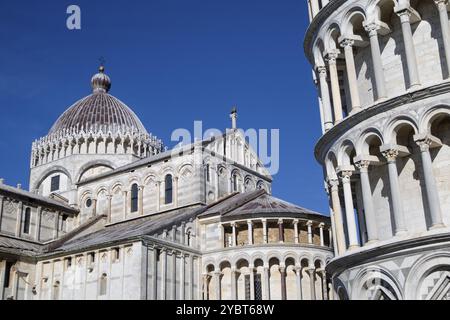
(369, 214)
(349, 209)
(391, 155)
(325, 94)
(310, 235)
(250, 232)
(335, 89)
(372, 30)
(445, 27)
(411, 60)
(347, 44)
(339, 224)
(430, 182)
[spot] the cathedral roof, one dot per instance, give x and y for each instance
(98, 111)
(259, 204)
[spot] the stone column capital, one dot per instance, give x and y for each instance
(295, 221)
(345, 175)
(280, 221)
(372, 28)
(250, 222)
(322, 71)
(332, 56)
(390, 154)
(333, 183)
(309, 223)
(427, 141)
(362, 165)
(407, 13)
(321, 225)
(346, 42)
(441, 4)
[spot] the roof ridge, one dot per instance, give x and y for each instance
(250, 196)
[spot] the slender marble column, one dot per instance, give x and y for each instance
(347, 44)
(445, 27)
(430, 184)
(340, 235)
(233, 226)
(349, 209)
(109, 199)
(295, 222)
(372, 30)
(251, 269)
(267, 279)
(280, 231)
(325, 95)
(298, 274)
(141, 200)
(206, 296)
(182, 275)
(175, 191)
(335, 89)
(233, 284)
(311, 272)
(323, 275)
(250, 232)
(264, 222)
(283, 282)
(369, 212)
(399, 219)
(37, 233)
(163, 273)
(322, 242)
(158, 196)
(155, 274)
(217, 275)
(405, 15)
(310, 235)
(217, 183)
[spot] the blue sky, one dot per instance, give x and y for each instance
(172, 62)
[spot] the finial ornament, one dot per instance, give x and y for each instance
(101, 83)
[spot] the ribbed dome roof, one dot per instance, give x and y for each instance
(98, 111)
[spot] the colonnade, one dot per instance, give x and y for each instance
(327, 72)
(346, 174)
(267, 281)
(282, 237)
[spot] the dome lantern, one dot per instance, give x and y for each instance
(100, 81)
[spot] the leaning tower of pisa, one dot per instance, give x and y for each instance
(382, 70)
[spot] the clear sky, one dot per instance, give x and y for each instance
(172, 62)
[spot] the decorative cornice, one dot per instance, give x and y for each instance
(325, 142)
(365, 256)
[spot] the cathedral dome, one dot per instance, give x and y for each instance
(98, 111)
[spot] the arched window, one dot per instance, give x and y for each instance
(27, 221)
(103, 284)
(134, 197)
(207, 174)
(235, 182)
(168, 194)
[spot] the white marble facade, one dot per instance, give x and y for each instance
(112, 214)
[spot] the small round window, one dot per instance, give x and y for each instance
(88, 203)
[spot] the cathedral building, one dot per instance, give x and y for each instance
(112, 214)
(382, 71)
